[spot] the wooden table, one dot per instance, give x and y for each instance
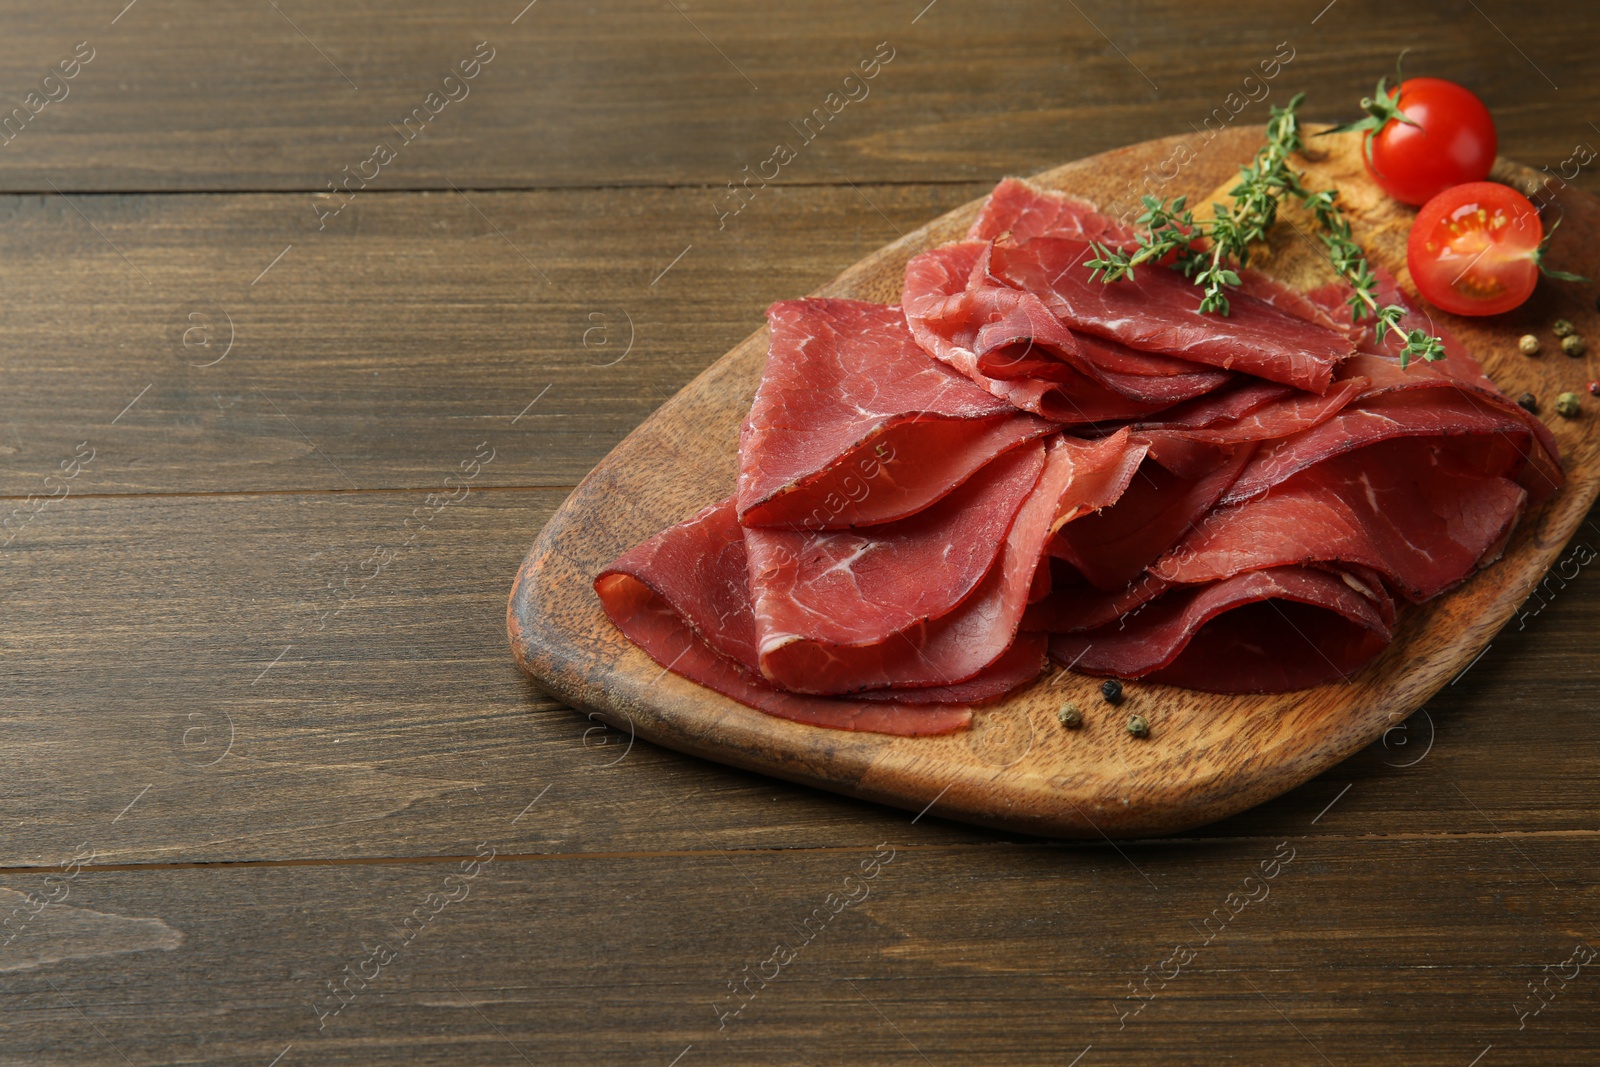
(274, 785)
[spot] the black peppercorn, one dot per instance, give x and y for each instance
(1111, 689)
(1528, 402)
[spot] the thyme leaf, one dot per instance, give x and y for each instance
(1169, 228)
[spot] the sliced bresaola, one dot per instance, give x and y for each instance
(1157, 310)
(805, 653)
(1192, 439)
(682, 596)
(1021, 211)
(863, 586)
(1110, 548)
(853, 424)
(1472, 422)
(1421, 513)
(1263, 631)
(1005, 340)
(1378, 362)
(654, 624)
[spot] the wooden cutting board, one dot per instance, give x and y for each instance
(1017, 768)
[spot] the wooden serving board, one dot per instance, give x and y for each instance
(1017, 768)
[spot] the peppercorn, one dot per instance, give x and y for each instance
(1594, 388)
(1069, 716)
(1529, 345)
(1111, 689)
(1567, 405)
(1137, 726)
(1573, 345)
(1527, 402)
(1561, 327)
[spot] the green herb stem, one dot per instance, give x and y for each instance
(1171, 229)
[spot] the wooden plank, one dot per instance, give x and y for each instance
(1405, 950)
(181, 95)
(371, 355)
(141, 633)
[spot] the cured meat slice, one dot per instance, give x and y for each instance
(1438, 411)
(1264, 631)
(859, 587)
(1017, 666)
(942, 651)
(1420, 514)
(1077, 605)
(1005, 340)
(1190, 450)
(1111, 547)
(1378, 362)
(1025, 211)
(853, 424)
(1156, 311)
(653, 624)
(681, 596)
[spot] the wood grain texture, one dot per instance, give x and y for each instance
(1208, 756)
(422, 325)
(960, 955)
(198, 544)
(627, 92)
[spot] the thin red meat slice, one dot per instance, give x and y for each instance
(1017, 666)
(942, 651)
(1191, 450)
(1110, 548)
(682, 597)
(853, 424)
(1101, 473)
(1265, 631)
(1005, 340)
(857, 587)
(1378, 362)
(1077, 605)
(1025, 211)
(1421, 514)
(1440, 411)
(1157, 311)
(653, 624)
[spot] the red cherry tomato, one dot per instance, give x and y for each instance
(1474, 249)
(1453, 141)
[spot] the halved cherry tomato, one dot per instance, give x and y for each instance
(1474, 249)
(1426, 136)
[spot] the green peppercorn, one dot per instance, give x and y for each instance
(1561, 327)
(1069, 716)
(1527, 402)
(1573, 345)
(1529, 345)
(1111, 689)
(1137, 726)
(1567, 405)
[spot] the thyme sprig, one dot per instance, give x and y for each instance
(1170, 229)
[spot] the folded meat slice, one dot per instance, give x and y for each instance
(1110, 548)
(1193, 438)
(1421, 513)
(1006, 340)
(1264, 631)
(682, 597)
(1437, 410)
(1021, 211)
(803, 649)
(1157, 311)
(853, 424)
(863, 586)
(1378, 361)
